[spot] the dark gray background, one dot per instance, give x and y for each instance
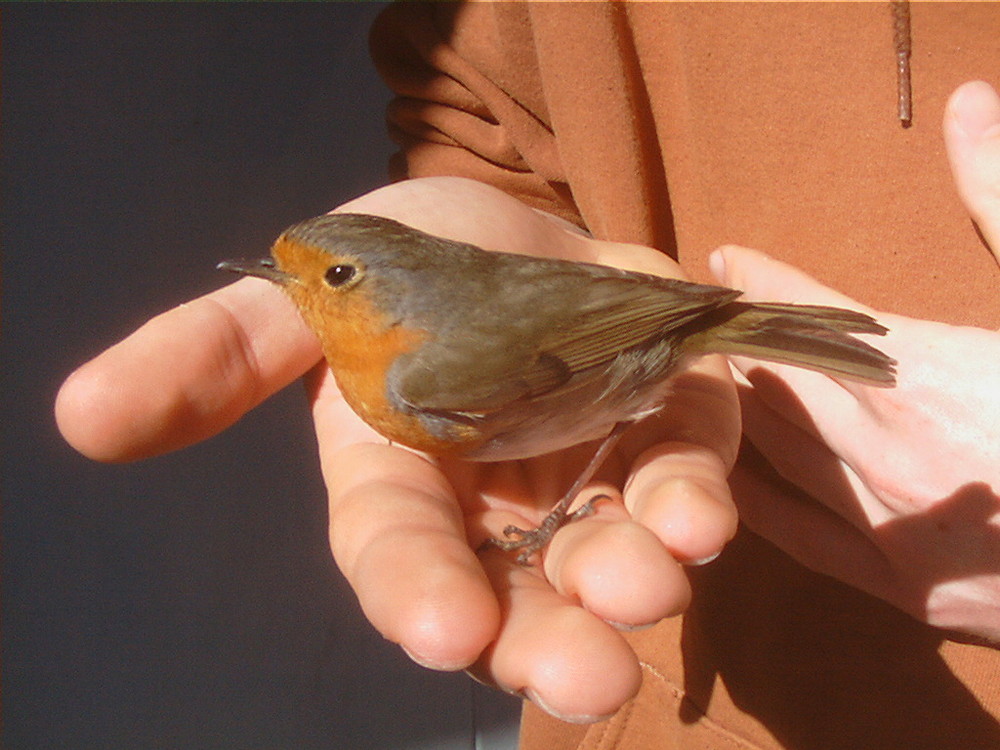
(187, 601)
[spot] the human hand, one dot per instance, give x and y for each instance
(404, 529)
(906, 479)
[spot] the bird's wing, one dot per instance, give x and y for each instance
(618, 314)
(606, 315)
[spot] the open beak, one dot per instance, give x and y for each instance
(262, 268)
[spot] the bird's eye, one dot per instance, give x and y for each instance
(340, 274)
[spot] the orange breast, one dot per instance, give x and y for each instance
(360, 367)
(360, 345)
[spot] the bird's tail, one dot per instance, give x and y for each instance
(810, 336)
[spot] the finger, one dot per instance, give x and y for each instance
(186, 374)
(619, 570)
(562, 658)
(762, 278)
(972, 139)
(398, 536)
(810, 533)
(680, 492)
(809, 463)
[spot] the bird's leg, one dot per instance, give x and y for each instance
(530, 541)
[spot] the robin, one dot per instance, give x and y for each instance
(453, 350)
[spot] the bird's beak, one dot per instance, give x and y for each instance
(263, 268)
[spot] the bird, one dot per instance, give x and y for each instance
(457, 351)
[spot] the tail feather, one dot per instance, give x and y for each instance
(810, 336)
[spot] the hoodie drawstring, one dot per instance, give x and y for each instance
(902, 43)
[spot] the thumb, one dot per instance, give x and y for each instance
(762, 278)
(972, 139)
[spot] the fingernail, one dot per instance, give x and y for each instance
(437, 666)
(628, 628)
(702, 560)
(568, 718)
(975, 108)
(472, 675)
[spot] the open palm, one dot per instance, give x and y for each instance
(405, 528)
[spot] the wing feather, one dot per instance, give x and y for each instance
(621, 314)
(568, 323)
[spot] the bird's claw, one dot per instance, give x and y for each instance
(529, 541)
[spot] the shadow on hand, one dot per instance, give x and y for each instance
(823, 665)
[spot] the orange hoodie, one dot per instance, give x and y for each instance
(686, 126)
